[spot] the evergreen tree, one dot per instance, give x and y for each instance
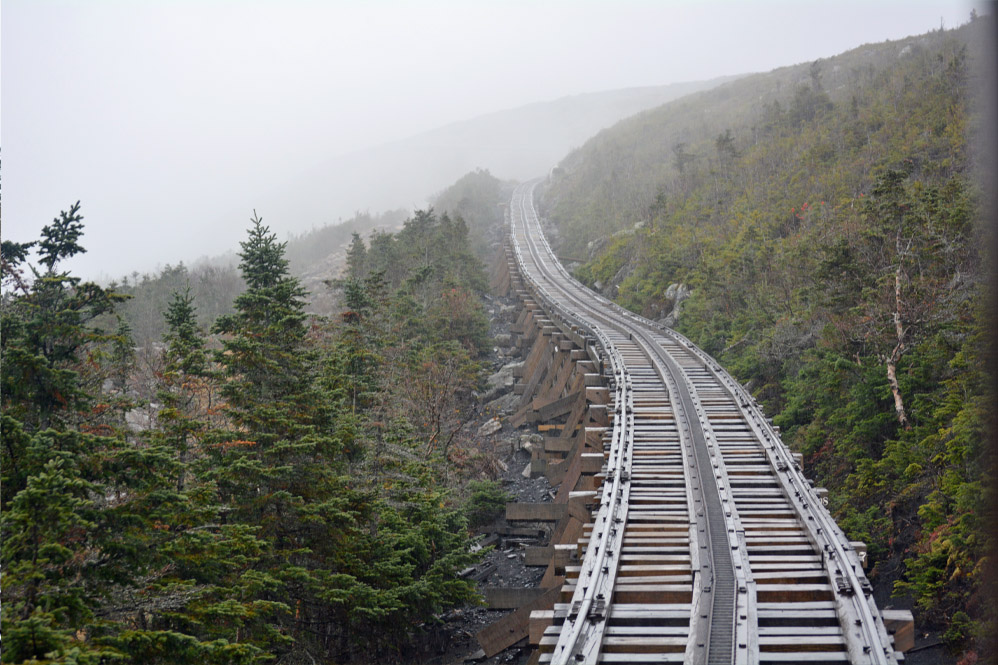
(88, 516)
(356, 258)
(187, 386)
(345, 565)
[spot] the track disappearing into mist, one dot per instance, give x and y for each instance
(707, 544)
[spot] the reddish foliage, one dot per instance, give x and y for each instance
(235, 443)
(969, 658)
(97, 430)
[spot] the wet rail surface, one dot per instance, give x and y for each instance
(706, 543)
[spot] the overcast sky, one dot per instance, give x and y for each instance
(170, 118)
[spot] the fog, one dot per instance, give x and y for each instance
(172, 120)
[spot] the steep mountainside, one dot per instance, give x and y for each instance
(826, 224)
(516, 143)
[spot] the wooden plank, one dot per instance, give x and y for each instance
(594, 437)
(599, 415)
(561, 370)
(540, 620)
(644, 644)
(675, 657)
(653, 614)
(901, 625)
(591, 463)
(792, 643)
(653, 593)
(558, 407)
(577, 418)
(538, 556)
(579, 505)
(567, 531)
(621, 631)
(554, 444)
(555, 470)
(535, 512)
(775, 631)
(544, 364)
(789, 593)
(805, 657)
(514, 626)
(510, 598)
(569, 480)
(598, 394)
(552, 579)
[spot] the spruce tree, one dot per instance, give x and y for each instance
(89, 517)
(342, 565)
(277, 466)
(357, 258)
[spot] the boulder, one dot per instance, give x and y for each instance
(490, 427)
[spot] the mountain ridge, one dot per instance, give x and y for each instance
(516, 143)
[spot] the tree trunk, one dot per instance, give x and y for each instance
(892, 359)
(892, 379)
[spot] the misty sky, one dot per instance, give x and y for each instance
(172, 120)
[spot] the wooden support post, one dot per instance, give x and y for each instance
(539, 622)
(535, 512)
(598, 415)
(598, 394)
(538, 556)
(510, 598)
(591, 463)
(580, 505)
(901, 625)
(513, 627)
(860, 548)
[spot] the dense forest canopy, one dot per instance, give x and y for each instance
(821, 231)
(295, 493)
(313, 257)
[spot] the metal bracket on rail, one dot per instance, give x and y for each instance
(598, 610)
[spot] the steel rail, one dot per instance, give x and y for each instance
(866, 637)
(853, 591)
(594, 591)
(714, 626)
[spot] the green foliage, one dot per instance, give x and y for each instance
(476, 198)
(261, 517)
(427, 275)
(828, 224)
(216, 282)
(214, 287)
(487, 501)
(82, 503)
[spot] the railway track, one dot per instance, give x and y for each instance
(706, 544)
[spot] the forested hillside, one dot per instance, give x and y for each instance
(826, 223)
(476, 198)
(296, 496)
(313, 257)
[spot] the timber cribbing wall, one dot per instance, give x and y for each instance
(562, 388)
